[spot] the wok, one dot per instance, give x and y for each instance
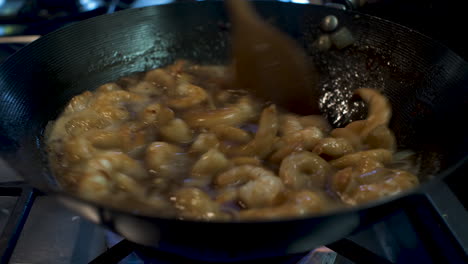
(425, 82)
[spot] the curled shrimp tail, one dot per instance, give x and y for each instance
(263, 143)
(380, 109)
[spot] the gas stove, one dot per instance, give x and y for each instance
(34, 228)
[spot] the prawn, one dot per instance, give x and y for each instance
(109, 105)
(304, 170)
(204, 142)
(161, 79)
(258, 187)
(315, 121)
(209, 164)
(380, 110)
(381, 155)
(289, 124)
(78, 103)
(176, 131)
(381, 137)
(231, 133)
(189, 95)
(264, 139)
(193, 203)
(146, 88)
(235, 115)
(156, 114)
(161, 158)
(333, 147)
(107, 87)
(109, 171)
(369, 181)
(304, 139)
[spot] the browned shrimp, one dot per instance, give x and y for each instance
(258, 187)
(263, 143)
(380, 110)
(231, 133)
(304, 170)
(188, 95)
(304, 139)
(381, 137)
(364, 183)
(209, 164)
(333, 147)
(161, 158)
(161, 78)
(204, 142)
(193, 203)
(381, 155)
(315, 121)
(234, 115)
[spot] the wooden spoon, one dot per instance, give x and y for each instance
(269, 63)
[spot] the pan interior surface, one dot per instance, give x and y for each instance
(425, 82)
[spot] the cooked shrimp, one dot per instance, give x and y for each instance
(210, 164)
(133, 136)
(234, 115)
(94, 186)
(161, 158)
(366, 165)
(104, 139)
(77, 149)
(79, 103)
(304, 170)
(83, 122)
(231, 133)
(315, 121)
(304, 139)
(237, 161)
(128, 137)
(110, 104)
(355, 186)
(156, 114)
(263, 143)
(108, 172)
(381, 155)
(380, 110)
(258, 187)
(333, 147)
(204, 142)
(227, 195)
(289, 124)
(381, 137)
(161, 78)
(193, 203)
(107, 87)
(188, 95)
(351, 133)
(115, 162)
(146, 88)
(176, 131)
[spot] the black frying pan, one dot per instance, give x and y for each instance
(426, 83)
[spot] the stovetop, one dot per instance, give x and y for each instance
(34, 228)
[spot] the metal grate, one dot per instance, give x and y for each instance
(18, 216)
